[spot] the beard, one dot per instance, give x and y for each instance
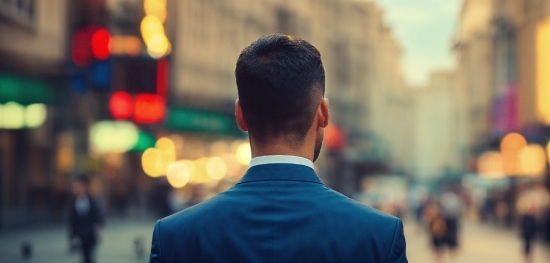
(318, 145)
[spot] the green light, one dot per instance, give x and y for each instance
(145, 140)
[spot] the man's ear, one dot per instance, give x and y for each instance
(322, 113)
(239, 116)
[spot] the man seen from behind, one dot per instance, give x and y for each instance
(280, 211)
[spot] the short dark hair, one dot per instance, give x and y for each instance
(280, 81)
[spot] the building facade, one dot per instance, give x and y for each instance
(362, 58)
(33, 52)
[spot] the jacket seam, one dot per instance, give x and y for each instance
(393, 240)
(279, 180)
(160, 247)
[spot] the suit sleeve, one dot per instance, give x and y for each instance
(99, 214)
(156, 255)
(398, 252)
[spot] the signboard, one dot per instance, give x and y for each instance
(25, 91)
(201, 121)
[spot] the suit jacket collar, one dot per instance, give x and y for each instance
(280, 171)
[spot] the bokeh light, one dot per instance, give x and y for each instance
(126, 45)
(101, 40)
(151, 162)
(542, 69)
(243, 153)
(35, 115)
(216, 168)
(145, 141)
(149, 108)
(151, 26)
(510, 147)
(200, 174)
(490, 164)
(13, 116)
(179, 143)
(155, 8)
(168, 152)
(120, 105)
(532, 160)
(219, 148)
(179, 173)
(158, 46)
(113, 136)
(81, 47)
(513, 142)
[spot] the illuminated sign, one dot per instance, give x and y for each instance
(25, 91)
(192, 120)
(101, 40)
(149, 108)
(145, 108)
(16, 116)
(88, 43)
(113, 136)
(120, 105)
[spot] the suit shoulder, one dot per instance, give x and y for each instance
(362, 210)
(194, 213)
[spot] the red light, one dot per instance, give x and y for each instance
(81, 52)
(120, 105)
(162, 77)
(149, 108)
(100, 44)
(335, 138)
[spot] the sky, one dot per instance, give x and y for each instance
(425, 30)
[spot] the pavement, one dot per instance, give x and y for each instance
(50, 244)
(480, 243)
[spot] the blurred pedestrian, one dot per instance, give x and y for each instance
(161, 198)
(452, 207)
(529, 204)
(86, 218)
(437, 227)
(528, 226)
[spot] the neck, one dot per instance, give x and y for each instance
(282, 148)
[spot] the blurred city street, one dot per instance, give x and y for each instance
(49, 244)
(126, 109)
(481, 243)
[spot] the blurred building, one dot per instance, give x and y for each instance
(502, 80)
(362, 61)
(69, 68)
(438, 146)
(33, 52)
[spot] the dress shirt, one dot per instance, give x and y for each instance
(273, 159)
(82, 205)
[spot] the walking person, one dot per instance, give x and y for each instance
(452, 207)
(85, 218)
(528, 230)
(437, 228)
(280, 211)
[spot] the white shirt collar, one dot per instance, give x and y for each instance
(290, 159)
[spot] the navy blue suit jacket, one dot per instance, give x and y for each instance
(279, 213)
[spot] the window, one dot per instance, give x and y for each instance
(21, 12)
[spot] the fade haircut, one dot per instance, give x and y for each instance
(280, 82)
